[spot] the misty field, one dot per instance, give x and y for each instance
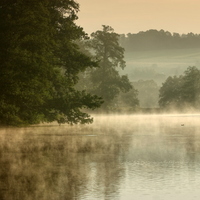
(158, 65)
(117, 157)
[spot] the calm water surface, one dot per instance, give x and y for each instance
(122, 157)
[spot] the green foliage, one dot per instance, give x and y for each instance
(170, 92)
(107, 83)
(40, 62)
(183, 91)
(191, 86)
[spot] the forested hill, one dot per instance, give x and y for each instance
(157, 40)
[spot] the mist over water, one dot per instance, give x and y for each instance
(121, 157)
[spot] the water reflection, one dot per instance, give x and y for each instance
(118, 157)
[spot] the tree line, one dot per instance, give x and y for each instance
(157, 40)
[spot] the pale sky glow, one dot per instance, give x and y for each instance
(132, 16)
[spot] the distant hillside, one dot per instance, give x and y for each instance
(158, 40)
(159, 64)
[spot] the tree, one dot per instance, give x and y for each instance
(107, 83)
(170, 92)
(40, 62)
(181, 92)
(191, 87)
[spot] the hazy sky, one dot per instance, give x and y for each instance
(132, 16)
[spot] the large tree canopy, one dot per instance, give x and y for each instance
(40, 62)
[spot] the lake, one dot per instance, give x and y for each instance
(118, 157)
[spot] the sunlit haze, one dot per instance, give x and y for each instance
(132, 16)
